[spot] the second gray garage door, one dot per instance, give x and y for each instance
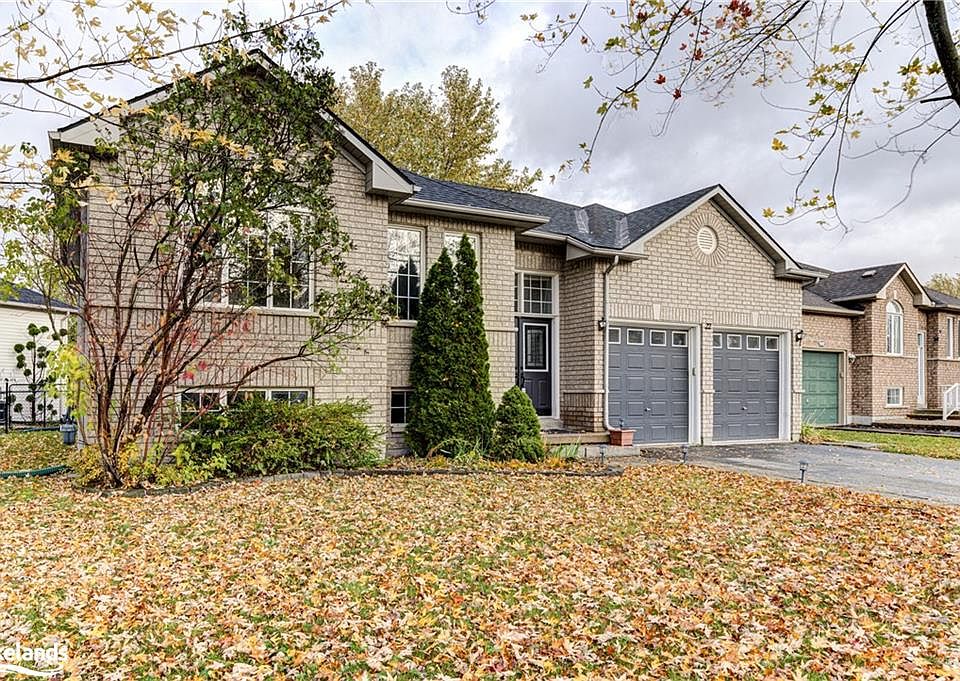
(649, 382)
(746, 384)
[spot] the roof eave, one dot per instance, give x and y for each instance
(832, 311)
(501, 217)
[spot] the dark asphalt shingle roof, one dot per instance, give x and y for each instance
(941, 298)
(26, 296)
(596, 225)
(853, 283)
(812, 300)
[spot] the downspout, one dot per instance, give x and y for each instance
(606, 343)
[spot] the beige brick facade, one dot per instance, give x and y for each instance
(736, 289)
(673, 284)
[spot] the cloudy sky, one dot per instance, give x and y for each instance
(546, 114)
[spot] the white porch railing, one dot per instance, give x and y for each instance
(951, 400)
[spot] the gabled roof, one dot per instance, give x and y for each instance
(25, 297)
(814, 303)
(866, 283)
(382, 177)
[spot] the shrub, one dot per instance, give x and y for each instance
(256, 437)
(155, 469)
(450, 364)
(518, 429)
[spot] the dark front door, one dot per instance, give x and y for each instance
(534, 372)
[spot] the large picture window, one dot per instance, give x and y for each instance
(404, 256)
(894, 328)
(251, 282)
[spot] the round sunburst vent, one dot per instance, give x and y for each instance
(707, 240)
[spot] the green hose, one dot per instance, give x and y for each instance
(49, 470)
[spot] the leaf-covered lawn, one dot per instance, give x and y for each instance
(30, 451)
(667, 572)
(923, 445)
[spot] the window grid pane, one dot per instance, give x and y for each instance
(404, 265)
(399, 406)
(537, 294)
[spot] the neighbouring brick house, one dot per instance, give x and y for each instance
(682, 320)
(877, 345)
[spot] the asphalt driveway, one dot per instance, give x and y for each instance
(902, 475)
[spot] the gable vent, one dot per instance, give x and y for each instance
(868, 274)
(707, 240)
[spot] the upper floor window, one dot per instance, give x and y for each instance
(404, 259)
(451, 241)
(951, 338)
(894, 328)
(274, 271)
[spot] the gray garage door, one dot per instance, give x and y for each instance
(746, 384)
(649, 382)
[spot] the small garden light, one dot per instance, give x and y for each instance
(603, 453)
(803, 470)
(684, 451)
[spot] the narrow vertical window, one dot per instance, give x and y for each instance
(894, 328)
(951, 342)
(404, 256)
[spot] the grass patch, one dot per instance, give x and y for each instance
(30, 451)
(708, 573)
(920, 445)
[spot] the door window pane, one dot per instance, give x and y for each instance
(534, 348)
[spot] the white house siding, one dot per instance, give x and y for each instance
(14, 321)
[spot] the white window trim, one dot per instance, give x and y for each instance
(775, 344)
(610, 333)
(666, 336)
(398, 427)
(899, 402)
(554, 294)
(717, 341)
(684, 335)
(951, 337)
(642, 336)
(759, 342)
(423, 261)
(894, 341)
(546, 363)
(739, 338)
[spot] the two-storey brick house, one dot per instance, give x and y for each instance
(681, 320)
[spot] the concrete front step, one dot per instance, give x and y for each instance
(567, 437)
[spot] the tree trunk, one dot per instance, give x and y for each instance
(939, 24)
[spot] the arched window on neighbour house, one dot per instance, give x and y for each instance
(894, 328)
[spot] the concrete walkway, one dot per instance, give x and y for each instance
(900, 475)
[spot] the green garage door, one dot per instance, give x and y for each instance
(821, 387)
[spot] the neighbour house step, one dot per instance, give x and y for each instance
(567, 437)
(930, 414)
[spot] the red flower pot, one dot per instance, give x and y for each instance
(621, 438)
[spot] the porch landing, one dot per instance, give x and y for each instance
(559, 436)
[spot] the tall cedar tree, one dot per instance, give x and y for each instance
(475, 405)
(433, 361)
